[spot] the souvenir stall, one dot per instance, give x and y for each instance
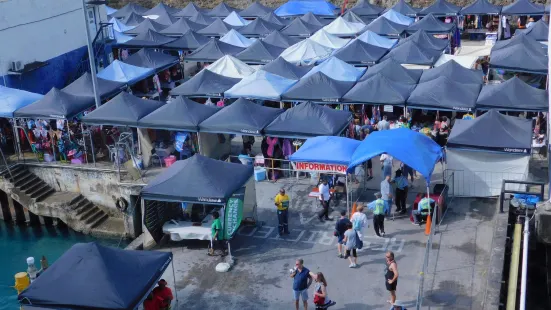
(182, 206)
(168, 73)
(481, 157)
(481, 20)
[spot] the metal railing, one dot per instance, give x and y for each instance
(481, 183)
(440, 209)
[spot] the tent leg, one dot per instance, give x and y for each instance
(347, 193)
(84, 142)
(175, 290)
(92, 148)
(17, 142)
(199, 143)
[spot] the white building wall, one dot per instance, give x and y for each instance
(39, 30)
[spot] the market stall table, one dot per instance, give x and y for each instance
(187, 230)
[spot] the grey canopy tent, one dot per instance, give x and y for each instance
(453, 71)
(364, 8)
(187, 42)
(432, 25)
(161, 9)
(149, 38)
(272, 18)
(444, 94)
(385, 27)
(309, 120)
(164, 18)
(188, 11)
(180, 114)
(148, 58)
(515, 134)
(242, 117)
(350, 16)
(422, 38)
(259, 53)
(205, 84)
(217, 28)
(393, 71)
(201, 18)
(512, 95)
(198, 179)
(56, 104)
(281, 40)
(358, 52)
(539, 31)
(222, 10)
(379, 90)
(312, 19)
(180, 27)
(404, 8)
(440, 8)
(145, 26)
(286, 69)
(133, 19)
(123, 110)
(481, 7)
(213, 50)
(299, 28)
(523, 7)
(259, 28)
(317, 87)
(412, 53)
(128, 10)
(256, 9)
(83, 87)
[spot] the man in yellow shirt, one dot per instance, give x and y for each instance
(281, 201)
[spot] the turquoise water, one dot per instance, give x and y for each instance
(19, 242)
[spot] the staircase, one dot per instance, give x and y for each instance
(81, 214)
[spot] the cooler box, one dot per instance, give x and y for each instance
(259, 174)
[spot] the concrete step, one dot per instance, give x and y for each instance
(75, 200)
(88, 213)
(24, 180)
(34, 186)
(92, 219)
(44, 194)
(17, 175)
(99, 221)
(38, 189)
(83, 207)
(6, 173)
(27, 182)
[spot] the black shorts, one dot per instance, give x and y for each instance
(369, 164)
(391, 287)
(353, 253)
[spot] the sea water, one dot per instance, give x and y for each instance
(19, 242)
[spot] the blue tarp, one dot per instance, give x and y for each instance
(260, 85)
(12, 99)
(372, 38)
(301, 7)
(106, 277)
(523, 7)
(121, 72)
(398, 18)
(326, 150)
(412, 148)
(338, 70)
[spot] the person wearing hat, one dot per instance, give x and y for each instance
(163, 293)
(281, 201)
(378, 207)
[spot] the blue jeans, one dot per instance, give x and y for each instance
(301, 294)
(388, 205)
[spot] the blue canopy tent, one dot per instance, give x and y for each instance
(412, 53)
(83, 87)
(398, 18)
(259, 28)
(385, 27)
(132, 19)
(432, 25)
(149, 38)
(119, 26)
(539, 31)
(412, 148)
(189, 41)
(394, 71)
(281, 40)
(454, 72)
(242, 117)
(56, 104)
(404, 8)
(205, 84)
(364, 8)
(222, 10)
(299, 28)
(109, 10)
(379, 90)
(286, 69)
(161, 9)
(12, 99)
(123, 110)
(106, 277)
(372, 38)
(180, 114)
(326, 150)
(272, 18)
(512, 95)
(309, 120)
(441, 8)
(260, 85)
(259, 53)
(121, 72)
(481, 7)
(444, 94)
(217, 28)
(422, 38)
(523, 7)
(360, 53)
(120, 37)
(148, 58)
(188, 11)
(256, 9)
(181, 27)
(144, 26)
(312, 19)
(213, 50)
(301, 7)
(129, 9)
(338, 70)
(200, 18)
(520, 56)
(317, 87)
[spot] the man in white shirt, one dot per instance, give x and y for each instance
(383, 124)
(386, 193)
(324, 197)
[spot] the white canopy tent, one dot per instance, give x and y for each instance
(260, 85)
(326, 39)
(465, 61)
(344, 28)
(306, 52)
(231, 67)
(236, 39)
(235, 20)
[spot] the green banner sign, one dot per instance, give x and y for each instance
(233, 214)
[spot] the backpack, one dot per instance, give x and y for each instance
(357, 225)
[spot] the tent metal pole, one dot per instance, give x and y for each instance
(347, 193)
(91, 55)
(174, 277)
(199, 143)
(16, 140)
(84, 142)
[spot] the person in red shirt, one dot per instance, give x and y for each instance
(164, 294)
(152, 302)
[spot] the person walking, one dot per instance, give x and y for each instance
(281, 201)
(359, 220)
(340, 227)
(386, 194)
(391, 276)
(324, 196)
(401, 183)
(301, 282)
(216, 237)
(321, 298)
(386, 163)
(351, 244)
(378, 207)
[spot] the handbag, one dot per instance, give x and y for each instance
(359, 242)
(318, 300)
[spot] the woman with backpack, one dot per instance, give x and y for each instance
(359, 221)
